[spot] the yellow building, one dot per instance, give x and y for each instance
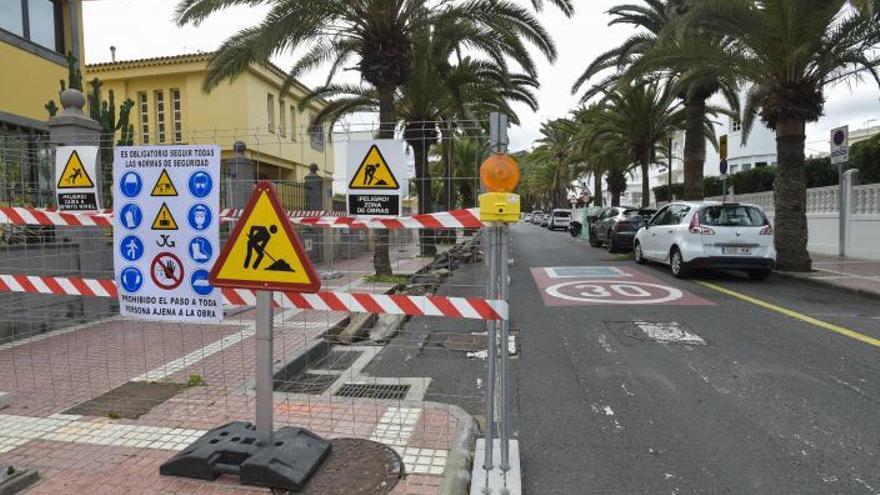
(171, 107)
(35, 36)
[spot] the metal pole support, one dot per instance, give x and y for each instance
(841, 211)
(491, 340)
(263, 375)
(504, 240)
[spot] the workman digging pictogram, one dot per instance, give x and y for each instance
(258, 238)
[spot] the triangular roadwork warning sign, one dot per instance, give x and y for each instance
(74, 175)
(264, 252)
(164, 219)
(374, 173)
(164, 186)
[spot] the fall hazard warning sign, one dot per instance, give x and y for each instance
(264, 251)
(75, 169)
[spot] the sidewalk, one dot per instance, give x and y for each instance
(858, 276)
(48, 374)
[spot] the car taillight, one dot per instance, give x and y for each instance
(696, 228)
(767, 230)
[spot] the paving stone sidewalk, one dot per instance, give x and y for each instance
(854, 275)
(48, 374)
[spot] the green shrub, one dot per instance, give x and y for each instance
(712, 186)
(757, 179)
(865, 156)
(661, 193)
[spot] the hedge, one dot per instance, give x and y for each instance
(819, 172)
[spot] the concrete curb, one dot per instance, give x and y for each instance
(457, 475)
(828, 284)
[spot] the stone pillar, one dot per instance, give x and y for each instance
(239, 175)
(314, 189)
(71, 127)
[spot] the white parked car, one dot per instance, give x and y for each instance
(559, 219)
(708, 235)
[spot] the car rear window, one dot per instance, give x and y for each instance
(563, 214)
(732, 216)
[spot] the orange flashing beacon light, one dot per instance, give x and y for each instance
(500, 174)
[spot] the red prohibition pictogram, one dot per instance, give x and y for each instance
(166, 271)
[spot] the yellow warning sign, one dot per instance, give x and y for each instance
(74, 175)
(264, 252)
(164, 219)
(164, 186)
(374, 173)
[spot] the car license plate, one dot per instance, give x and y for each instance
(736, 250)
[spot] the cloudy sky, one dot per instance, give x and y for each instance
(579, 40)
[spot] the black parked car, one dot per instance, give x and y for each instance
(617, 226)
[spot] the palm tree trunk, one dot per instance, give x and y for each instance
(420, 148)
(381, 239)
(597, 193)
(694, 147)
(644, 163)
(790, 198)
(615, 198)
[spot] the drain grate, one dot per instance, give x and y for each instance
(373, 391)
(337, 360)
(306, 384)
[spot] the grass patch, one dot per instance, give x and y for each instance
(113, 415)
(195, 381)
(388, 279)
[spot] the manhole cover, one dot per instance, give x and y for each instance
(337, 360)
(306, 384)
(373, 391)
(466, 343)
(355, 467)
(130, 400)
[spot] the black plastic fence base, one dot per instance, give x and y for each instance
(287, 463)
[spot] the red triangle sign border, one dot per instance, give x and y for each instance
(314, 284)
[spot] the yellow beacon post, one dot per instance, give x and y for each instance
(500, 174)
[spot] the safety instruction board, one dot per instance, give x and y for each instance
(377, 179)
(75, 179)
(166, 232)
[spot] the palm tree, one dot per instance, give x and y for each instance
(790, 51)
(557, 154)
(660, 24)
(437, 91)
(378, 34)
(638, 116)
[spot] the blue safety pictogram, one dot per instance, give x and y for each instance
(132, 248)
(131, 279)
(200, 217)
(131, 216)
(200, 184)
(200, 283)
(200, 250)
(130, 184)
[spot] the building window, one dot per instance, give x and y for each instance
(292, 123)
(760, 164)
(144, 118)
(160, 116)
(736, 126)
(270, 112)
(734, 169)
(39, 21)
(746, 167)
(282, 119)
(176, 115)
(316, 136)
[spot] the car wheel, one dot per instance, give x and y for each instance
(759, 274)
(637, 253)
(677, 264)
(610, 245)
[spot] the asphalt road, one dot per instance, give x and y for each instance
(771, 404)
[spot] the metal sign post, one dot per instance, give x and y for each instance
(263, 375)
(504, 241)
(840, 156)
(491, 343)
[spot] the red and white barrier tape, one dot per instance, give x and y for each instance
(455, 219)
(451, 307)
